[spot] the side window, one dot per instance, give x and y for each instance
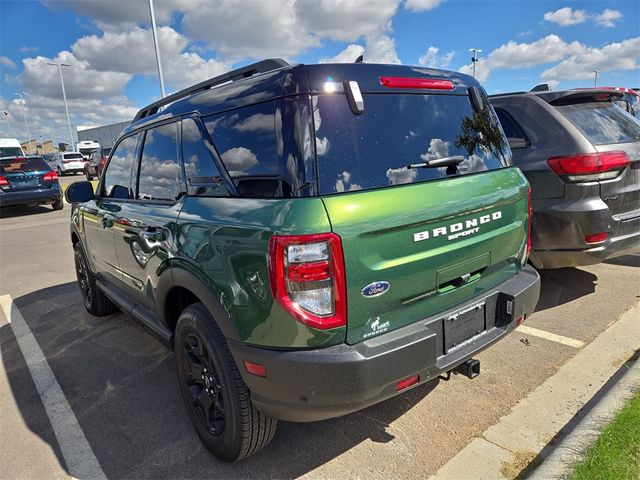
(160, 177)
(117, 175)
(203, 177)
(513, 131)
(246, 142)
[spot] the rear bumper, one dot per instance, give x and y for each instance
(310, 385)
(559, 229)
(48, 195)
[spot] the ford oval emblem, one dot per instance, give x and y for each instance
(375, 289)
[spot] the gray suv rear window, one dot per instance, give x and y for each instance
(372, 150)
(602, 123)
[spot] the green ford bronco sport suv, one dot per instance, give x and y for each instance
(309, 239)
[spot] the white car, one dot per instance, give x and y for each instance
(69, 162)
(10, 147)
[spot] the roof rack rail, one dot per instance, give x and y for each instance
(237, 74)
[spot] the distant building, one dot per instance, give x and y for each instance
(106, 136)
(33, 147)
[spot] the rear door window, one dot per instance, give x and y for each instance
(203, 177)
(375, 149)
(10, 152)
(23, 165)
(160, 177)
(602, 123)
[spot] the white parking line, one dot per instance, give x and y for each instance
(78, 455)
(571, 342)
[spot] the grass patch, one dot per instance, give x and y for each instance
(616, 453)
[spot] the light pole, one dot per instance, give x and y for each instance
(155, 44)
(595, 80)
(64, 96)
(474, 59)
(23, 102)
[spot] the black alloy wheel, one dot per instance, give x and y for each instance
(203, 384)
(84, 282)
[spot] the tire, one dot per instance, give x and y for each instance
(58, 204)
(94, 300)
(215, 395)
(60, 174)
(89, 176)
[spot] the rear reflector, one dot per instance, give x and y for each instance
(596, 237)
(255, 369)
(589, 166)
(520, 320)
(407, 382)
(419, 83)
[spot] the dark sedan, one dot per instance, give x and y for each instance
(581, 155)
(29, 181)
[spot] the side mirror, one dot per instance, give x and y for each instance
(517, 143)
(79, 192)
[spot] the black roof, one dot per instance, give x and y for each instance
(274, 78)
(561, 96)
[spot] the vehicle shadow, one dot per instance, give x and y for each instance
(121, 386)
(23, 211)
(563, 285)
(625, 261)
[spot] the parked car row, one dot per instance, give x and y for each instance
(581, 155)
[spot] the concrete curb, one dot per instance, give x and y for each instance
(508, 447)
(574, 445)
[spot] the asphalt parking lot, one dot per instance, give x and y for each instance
(120, 382)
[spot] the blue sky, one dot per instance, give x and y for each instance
(109, 46)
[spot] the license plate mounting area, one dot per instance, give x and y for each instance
(461, 327)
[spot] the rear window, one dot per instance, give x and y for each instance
(71, 156)
(374, 149)
(602, 123)
(23, 165)
(10, 152)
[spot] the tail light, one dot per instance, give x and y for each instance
(307, 278)
(589, 167)
(530, 210)
(4, 182)
(419, 83)
(50, 177)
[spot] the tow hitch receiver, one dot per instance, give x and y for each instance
(470, 368)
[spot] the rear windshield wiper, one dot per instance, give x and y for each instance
(439, 162)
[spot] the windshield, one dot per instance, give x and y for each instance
(32, 164)
(71, 156)
(87, 151)
(602, 123)
(10, 152)
(374, 149)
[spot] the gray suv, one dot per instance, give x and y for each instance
(581, 155)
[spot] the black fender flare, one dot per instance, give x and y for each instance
(179, 277)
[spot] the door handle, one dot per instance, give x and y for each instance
(107, 221)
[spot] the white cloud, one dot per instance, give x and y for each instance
(80, 79)
(248, 29)
(607, 18)
(180, 68)
(566, 16)
(438, 148)
(421, 5)
(7, 62)
(238, 160)
(434, 60)
(379, 48)
(345, 20)
(612, 57)
(513, 55)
